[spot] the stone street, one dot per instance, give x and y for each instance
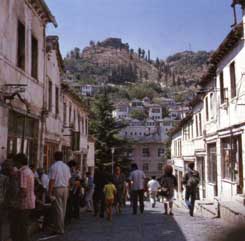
(152, 226)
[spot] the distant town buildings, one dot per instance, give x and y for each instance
(148, 133)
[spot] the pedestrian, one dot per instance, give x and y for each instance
(153, 187)
(168, 184)
(43, 177)
(3, 185)
(137, 183)
(100, 181)
(12, 203)
(27, 197)
(119, 181)
(76, 194)
(59, 176)
(89, 191)
(191, 181)
(110, 194)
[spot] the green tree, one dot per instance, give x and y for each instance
(77, 53)
(105, 129)
(138, 114)
(143, 53)
(139, 52)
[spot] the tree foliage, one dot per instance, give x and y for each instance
(105, 129)
(138, 114)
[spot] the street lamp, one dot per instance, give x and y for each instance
(112, 159)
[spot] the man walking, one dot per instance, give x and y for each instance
(58, 189)
(137, 178)
(153, 186)
(191, 181)
(27, 197)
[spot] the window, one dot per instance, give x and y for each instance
(231, 149)
(197, 129)
(79, 121)
(70, 111)
(74, 117)
(57, 100)
(160, 166)
(200, 124)
(21, 46)
(83, 123)
(206, 108)
(212, 105)
(34, 57)
(64, 114)
(212, 163)
(130, 153)
(86, 126)
(145, 167)
(222, 90)
(50, 95)
(146, 152)
(233, 79)
(160, 152)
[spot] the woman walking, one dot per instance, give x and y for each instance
(168, 184)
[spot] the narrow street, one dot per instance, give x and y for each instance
(152, 226)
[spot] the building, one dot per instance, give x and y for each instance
(154, 111)
(89, 90)
(121, 111)
(22, 67)
(74, 128)
(39, 114)
(212, 135)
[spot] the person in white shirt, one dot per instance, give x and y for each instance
(137, 185)
(59, 176)
(153, 186)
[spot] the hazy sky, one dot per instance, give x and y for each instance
(163, 26)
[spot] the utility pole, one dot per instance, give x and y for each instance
(112, 160)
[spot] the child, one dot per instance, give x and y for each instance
(110, 193)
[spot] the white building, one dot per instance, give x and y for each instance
(121, 111)
(88, 90)
(213, 136)
(22, 73)
(154, 111)
(32, 98)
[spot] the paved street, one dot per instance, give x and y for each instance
(152, 226)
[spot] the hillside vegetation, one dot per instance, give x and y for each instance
(113, 62)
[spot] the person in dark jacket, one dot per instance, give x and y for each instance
(100, 180)
(191, 181)
(168, 184)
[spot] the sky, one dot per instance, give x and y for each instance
(162, 26)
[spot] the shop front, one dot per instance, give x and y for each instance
(23, 136)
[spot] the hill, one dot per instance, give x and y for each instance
(114, 62)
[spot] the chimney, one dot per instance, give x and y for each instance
(242, 4)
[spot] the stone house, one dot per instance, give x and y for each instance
(75, 143)
(218, 149)
(23, 72)
(39, 114)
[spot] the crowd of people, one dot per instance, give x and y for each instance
(53, 199)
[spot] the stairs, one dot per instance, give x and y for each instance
(207, 208)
